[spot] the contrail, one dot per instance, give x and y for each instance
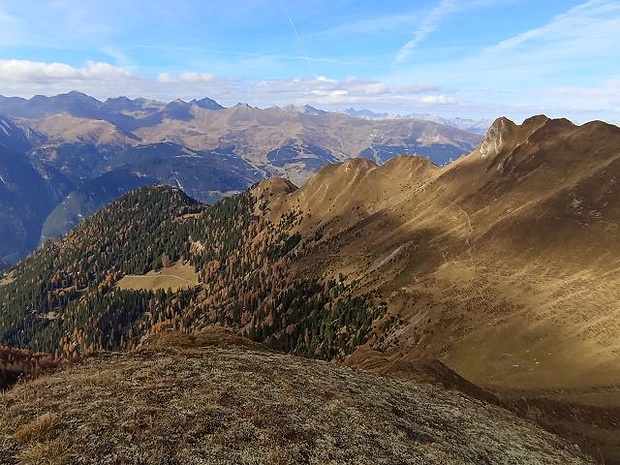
(429, 24)
(301, 44)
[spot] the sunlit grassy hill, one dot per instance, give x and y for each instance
(214, 398)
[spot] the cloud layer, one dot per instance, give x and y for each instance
(26, 78)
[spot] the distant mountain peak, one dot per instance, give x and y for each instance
(77, 94)
(365, 113)
(477, 126)
(305, 109)
(504, 135)
(206, 104)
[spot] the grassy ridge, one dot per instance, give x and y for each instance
(216, 402)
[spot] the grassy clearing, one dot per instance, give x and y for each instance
(226, 403)
(175, 277)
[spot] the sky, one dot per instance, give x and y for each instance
(476, 59)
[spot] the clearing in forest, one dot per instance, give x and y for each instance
(177, 276)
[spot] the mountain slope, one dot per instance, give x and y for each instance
(547, 218)
(210, 401)
(92, 195)
(28, 193)
(208, 150)
(258, 135)
(505, 265)
(16, 138)
(434, 233)
(251, 132)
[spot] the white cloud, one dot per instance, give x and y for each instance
(119, 56)
(351, 86)
(565, 67)
(330, 93)
(31, 71)
(438, 100)
(102, 80)
(186, 78)
(26, 78)
(359, 92)
(591, 22)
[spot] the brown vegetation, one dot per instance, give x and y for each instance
(504, 264)
(173, 276)
(16, 363)
(233, 404)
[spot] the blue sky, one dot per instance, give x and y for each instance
(467, 58)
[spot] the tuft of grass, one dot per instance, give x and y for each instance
(53, 452)
(41, 428)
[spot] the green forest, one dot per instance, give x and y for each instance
(63, 299)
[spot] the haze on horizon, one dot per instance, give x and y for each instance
(475, 59)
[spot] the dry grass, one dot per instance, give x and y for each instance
(41, 441)
(174, 277)
(7, 278)
(54, 452)
(506, 267)
(210, 336)
(230, 404)
(41, 428)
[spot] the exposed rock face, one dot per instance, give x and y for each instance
(496, 137)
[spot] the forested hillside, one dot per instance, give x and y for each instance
(63, 298)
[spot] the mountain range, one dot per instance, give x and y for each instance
(478, 126)
(504, 266)
(66, 156)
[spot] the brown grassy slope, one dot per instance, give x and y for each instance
(529, 249)
(230, 404)
(67, 128)
(254, 132)
(549, 225)
(505, 264)
(176, 276)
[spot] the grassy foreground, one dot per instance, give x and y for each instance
(214, 398)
